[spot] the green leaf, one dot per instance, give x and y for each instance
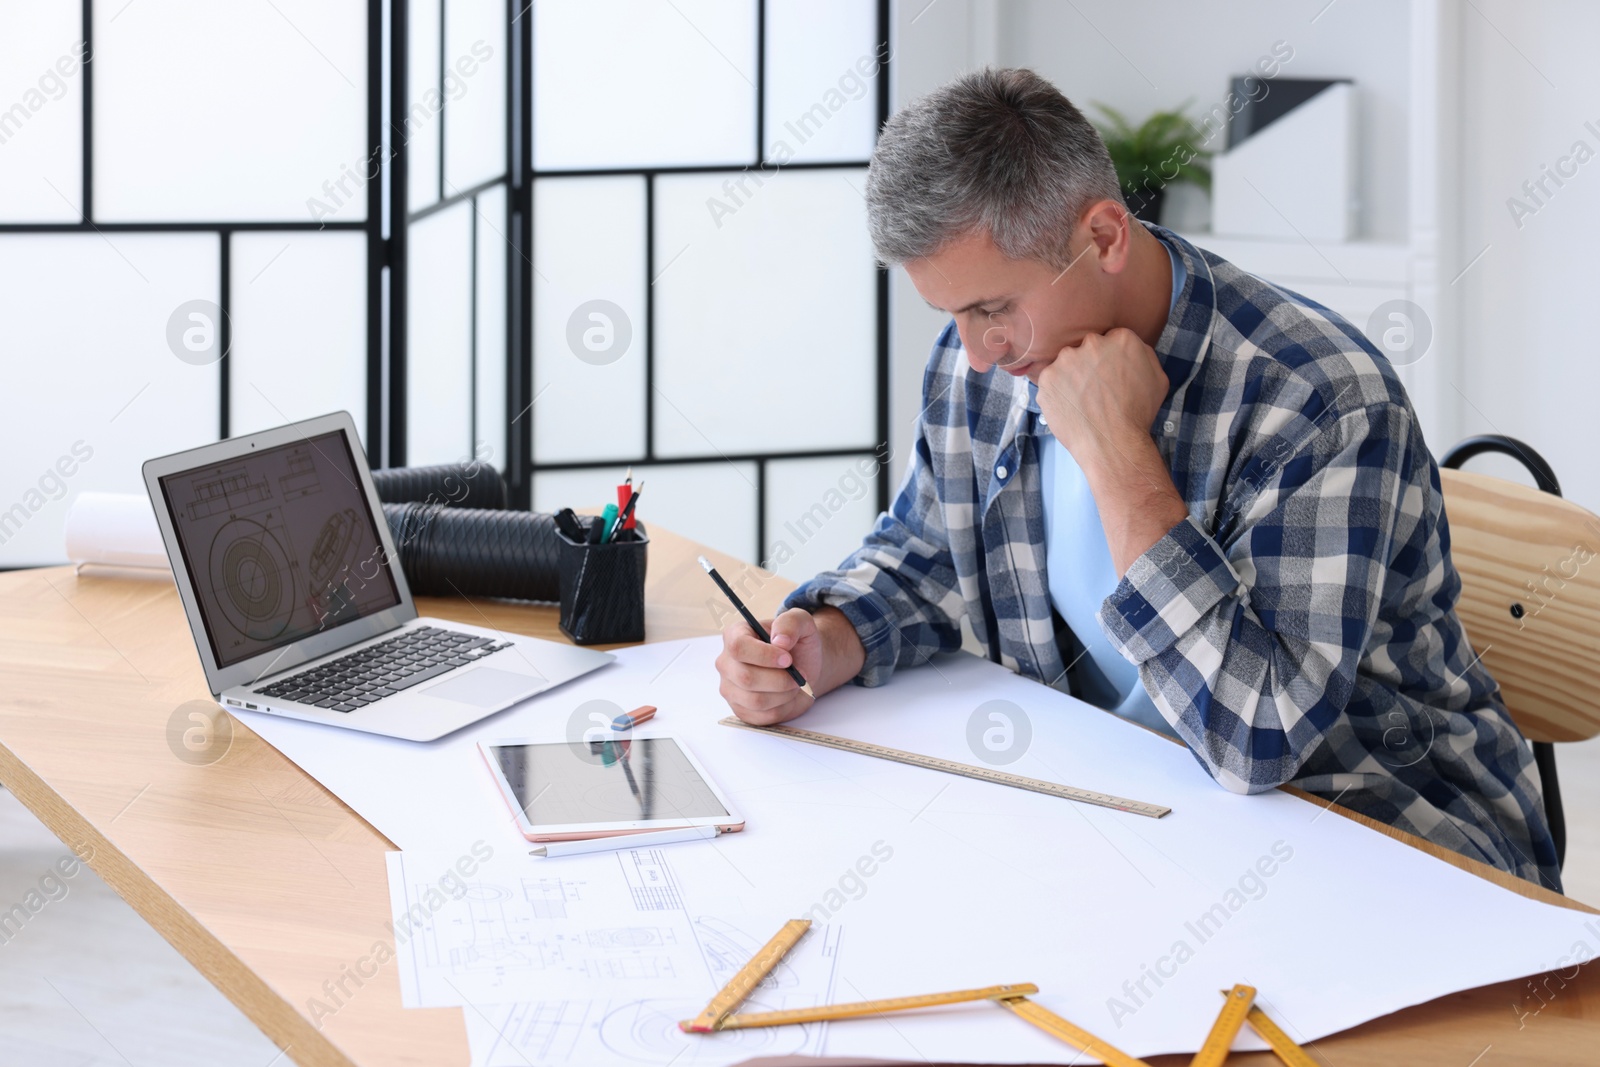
(1165, 143)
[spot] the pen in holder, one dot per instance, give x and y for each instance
(602, 588)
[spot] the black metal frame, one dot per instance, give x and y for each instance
(225, 230)
(520, 464)
(1544, 476)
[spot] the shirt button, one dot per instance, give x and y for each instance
(1000, 472)
(1043, 421)
(1169, 426)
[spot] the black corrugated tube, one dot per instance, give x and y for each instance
(458, 485)
(458, 551)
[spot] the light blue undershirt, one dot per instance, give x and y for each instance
(1080, 574)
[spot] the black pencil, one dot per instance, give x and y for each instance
(727, 591)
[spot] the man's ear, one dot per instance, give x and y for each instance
(1106, 223)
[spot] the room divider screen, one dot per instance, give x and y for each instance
(652, 252)
(589, 235)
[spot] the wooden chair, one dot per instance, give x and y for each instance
(1530, 600)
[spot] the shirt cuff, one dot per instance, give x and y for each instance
(873, 622)
(1166, 592)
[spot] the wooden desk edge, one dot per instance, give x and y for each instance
(275, 1014)
(1503, 879)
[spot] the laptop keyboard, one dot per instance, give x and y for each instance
(383, 669)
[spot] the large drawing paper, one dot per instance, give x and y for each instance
(1128, 925)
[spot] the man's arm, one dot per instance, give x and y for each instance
(894, 602)
(1251, 651)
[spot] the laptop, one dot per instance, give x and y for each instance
(297, 603)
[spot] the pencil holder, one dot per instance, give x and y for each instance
(602, 589)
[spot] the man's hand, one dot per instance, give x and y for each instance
(755, 678)
(1102, 394)
(1100, 399)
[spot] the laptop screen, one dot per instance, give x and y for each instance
(279, 544)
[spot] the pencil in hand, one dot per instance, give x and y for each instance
(755, 624)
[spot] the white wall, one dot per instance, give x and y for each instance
(1530, 346)
(1141, 56)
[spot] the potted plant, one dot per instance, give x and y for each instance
(1148, 158)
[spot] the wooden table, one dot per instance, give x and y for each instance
(272, 887)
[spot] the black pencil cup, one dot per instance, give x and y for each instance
(602, 589)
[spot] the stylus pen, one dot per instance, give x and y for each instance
(727, 591)
(616, 844)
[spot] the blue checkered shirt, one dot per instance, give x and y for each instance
(1299, 627)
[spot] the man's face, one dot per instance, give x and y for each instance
(1016, 314)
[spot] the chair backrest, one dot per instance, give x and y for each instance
(1530, 599)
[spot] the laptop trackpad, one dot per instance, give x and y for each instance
(484, 687)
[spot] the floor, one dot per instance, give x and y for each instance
(86, 983)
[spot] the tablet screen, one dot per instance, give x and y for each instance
(647, 779)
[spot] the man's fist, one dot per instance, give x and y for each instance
(755, 676)
(1102, 393)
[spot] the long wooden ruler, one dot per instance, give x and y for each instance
(862, 1008)
(966, 770)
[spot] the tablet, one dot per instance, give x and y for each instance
(569, 790)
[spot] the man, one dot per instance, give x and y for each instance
(1184, 494)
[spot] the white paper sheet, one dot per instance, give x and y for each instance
(1129, 925)
(587, 958)
(614, 925)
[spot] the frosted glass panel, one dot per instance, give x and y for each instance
(491, 304)
(104, 391)
(589, 324)
(425, 102)
(229, 111)
(299, 328)
(713, 503)
(475, 93)
(643, 83)
(439, 346)
(41, 117)
(822, 95)
(818, 510)
(765, 315)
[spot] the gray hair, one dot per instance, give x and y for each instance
(1001, 151)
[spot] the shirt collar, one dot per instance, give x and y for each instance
(1187, 334)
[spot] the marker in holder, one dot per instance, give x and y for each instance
(602, 588)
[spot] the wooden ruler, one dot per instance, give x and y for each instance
(1214, 1053)
(718, 1015)
(1282, 1044)
(749, 976)
(966, 770)
(1057, 1027)
(830, 1012)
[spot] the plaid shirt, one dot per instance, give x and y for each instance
(1299, 627)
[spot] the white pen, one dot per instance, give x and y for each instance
(621, 841)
